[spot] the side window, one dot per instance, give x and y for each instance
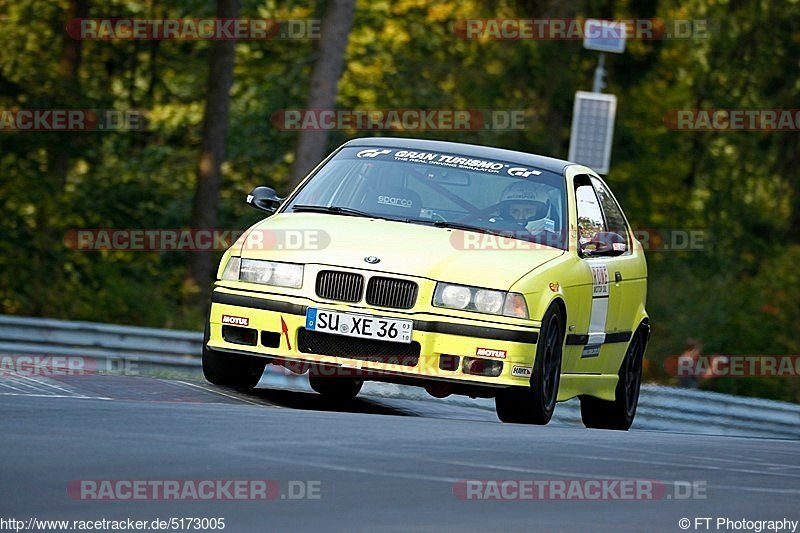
(614, 219)
(590, 217)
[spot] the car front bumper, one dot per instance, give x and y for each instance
(275, 327)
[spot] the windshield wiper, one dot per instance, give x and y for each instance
(339, 210)
(464, 227)
(349, 211)
(509, 234)
(335, 209)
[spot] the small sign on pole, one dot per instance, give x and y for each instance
(604, 35)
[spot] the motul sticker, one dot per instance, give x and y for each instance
(235, 320)
(599, 280)
(522, 371)
(488, 352)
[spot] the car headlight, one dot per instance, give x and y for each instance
(481, 300)
(270, 273)
(489, 301)
(454, 296)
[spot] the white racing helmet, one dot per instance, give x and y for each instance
(528, 204)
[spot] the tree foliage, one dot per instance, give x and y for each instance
(739, 295)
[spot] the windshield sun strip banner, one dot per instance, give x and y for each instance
(459, 161)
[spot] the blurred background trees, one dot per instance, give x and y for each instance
(212, 151)
(739, 295)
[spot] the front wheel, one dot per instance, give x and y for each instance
(619, 414)
(231, 370)
(535, 404)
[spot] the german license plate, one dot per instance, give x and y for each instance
(361, 326)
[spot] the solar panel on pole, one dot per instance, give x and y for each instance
(592, 130)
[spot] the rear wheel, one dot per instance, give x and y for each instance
(336, 388)
(619, 414)
(231, 370)
(535, 404)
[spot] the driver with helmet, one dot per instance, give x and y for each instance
(528, 204)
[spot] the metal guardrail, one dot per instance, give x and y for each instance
(40, 336)
(660, 408)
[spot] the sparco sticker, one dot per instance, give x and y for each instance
(394, 201)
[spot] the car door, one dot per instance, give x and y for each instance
(595, 337)
(628, 276)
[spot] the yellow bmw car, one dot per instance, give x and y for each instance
(459, 268)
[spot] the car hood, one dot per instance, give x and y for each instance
(403, 248)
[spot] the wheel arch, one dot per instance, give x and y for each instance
(644, 327)
(540, 302)
(562, 310)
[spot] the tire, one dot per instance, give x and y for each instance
(336, 388)
(535, 404)
(619, 414)
(231, 370)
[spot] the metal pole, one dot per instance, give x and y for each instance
(599, 74)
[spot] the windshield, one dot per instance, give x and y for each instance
(443, 189)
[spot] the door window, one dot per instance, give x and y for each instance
(615, 221)
(590, 216)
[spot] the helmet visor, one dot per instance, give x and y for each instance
(526, 209)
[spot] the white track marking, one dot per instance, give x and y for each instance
(221, 393)
(752, 462)
(585, 475)
(54, 396)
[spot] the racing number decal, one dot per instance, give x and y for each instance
(599, 280)
(599, 313)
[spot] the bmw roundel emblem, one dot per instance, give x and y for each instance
(371, 259)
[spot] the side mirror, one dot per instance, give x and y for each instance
(605, 244)
(264, 199)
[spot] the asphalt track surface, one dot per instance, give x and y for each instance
(379, 464)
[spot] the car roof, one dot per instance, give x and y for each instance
(486, 152)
